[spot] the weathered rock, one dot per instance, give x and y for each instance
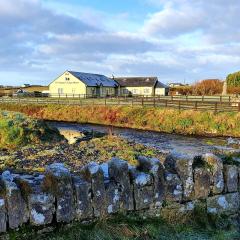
(113, 195)
(238, 178)
(119, 174)
(227, 204)
(202, 181)
(93, 173)
(83, 195)
(216, 167)
(3, 217)
(177, 212)
(182, 165)
(16, 206)
(174, 189)
(41, 208)
(155, 168)
(41, 205)
(58, 181)
(230, 178)
(143, 189)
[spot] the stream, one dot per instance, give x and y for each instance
(192, 145)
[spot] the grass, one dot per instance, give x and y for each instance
(36, 157)
(147, 118)
(130, 227)
(18, 130)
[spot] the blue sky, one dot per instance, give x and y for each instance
(175, 40)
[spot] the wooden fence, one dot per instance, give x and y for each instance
(167, 102)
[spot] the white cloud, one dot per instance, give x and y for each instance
(182, 39)
(174, 21)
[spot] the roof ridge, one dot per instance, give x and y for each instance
(97, 74)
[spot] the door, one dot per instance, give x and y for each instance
(98, 91)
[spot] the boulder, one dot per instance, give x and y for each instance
(181, 165)
(215, 165)
(83, 195)
(202, 181)
(119, 174)
(94, 174)
(41, 208)
(178, 212)
(40, 204)
(154, 167)
(3, 217)
(230, 173)
(113, 198)
(223, 204)
(174, 189)
(58, 181)
(143, 188)
(17, 210)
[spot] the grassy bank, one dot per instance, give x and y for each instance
(131, 228)
(18, 130)
(156, 119)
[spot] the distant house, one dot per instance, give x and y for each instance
(74, 84)
(145, 86)
(25, 85)
(172, 85)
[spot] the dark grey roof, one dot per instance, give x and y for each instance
(161, 85)
(93, 80)
(136, 81)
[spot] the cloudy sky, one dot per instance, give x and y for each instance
(175, 40)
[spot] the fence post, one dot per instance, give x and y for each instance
(221, 99)
(239, 106)
(215, 107)
(196, 105)
(142, 101)
(132, 102)
(154, 102)
(166, 103)
(179, 105)
(202, 98)
(105, 101)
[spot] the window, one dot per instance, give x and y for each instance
(146, 90)
(67, 78)
(60, 90)
(125, 91)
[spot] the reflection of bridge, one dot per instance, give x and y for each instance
(201, 103)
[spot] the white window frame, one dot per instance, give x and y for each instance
(146, 90)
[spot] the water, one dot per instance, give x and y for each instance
(193, 145)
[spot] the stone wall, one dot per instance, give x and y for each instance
(97, 191)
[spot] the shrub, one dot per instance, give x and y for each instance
(208, 87)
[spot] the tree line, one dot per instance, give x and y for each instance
(211, 86)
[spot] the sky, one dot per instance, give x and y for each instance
(175, 40)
